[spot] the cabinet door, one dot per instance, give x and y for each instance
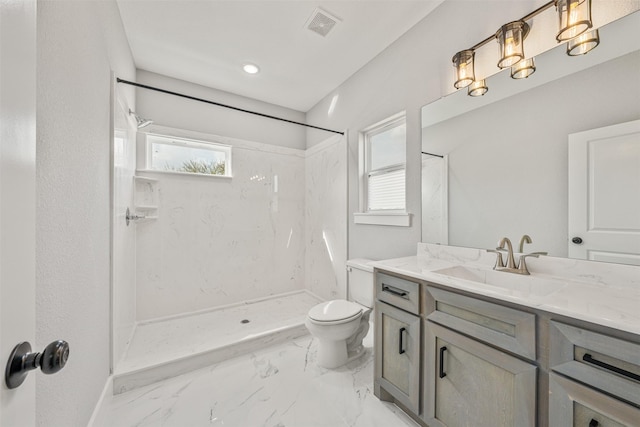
(471, 384)
(577, 405)
(397, 354)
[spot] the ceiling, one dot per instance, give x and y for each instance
(208, 41)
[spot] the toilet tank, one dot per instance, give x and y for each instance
(360, 281)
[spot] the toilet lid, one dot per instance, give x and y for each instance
(335, 310)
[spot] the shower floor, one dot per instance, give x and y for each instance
(169, 347)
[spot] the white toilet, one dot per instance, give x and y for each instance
(340, 325)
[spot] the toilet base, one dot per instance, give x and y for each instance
(333, 354)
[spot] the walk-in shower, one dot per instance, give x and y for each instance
(222, 265)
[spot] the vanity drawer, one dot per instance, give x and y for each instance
(401, 293)
(598, 360)
(577, 405)
(503, 327)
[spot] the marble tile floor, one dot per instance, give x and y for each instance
(278, 386)
(162, 349)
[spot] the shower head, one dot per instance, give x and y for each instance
(139, 120)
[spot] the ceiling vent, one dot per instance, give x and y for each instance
(321, 22)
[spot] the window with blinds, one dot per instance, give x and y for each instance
(386, 190)
(385, 153)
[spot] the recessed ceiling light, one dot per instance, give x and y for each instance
(251, 68)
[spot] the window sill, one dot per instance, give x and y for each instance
(394, 219)
(182, 173)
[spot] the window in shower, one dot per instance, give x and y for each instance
(179, 155)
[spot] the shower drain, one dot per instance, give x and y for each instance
(245, 321)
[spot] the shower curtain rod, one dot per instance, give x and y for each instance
(434, 155)
(119, 80)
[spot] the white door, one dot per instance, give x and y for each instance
(17, 199)
(604, 194)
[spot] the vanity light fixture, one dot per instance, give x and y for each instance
(477, 88)
(463, 64)
(523, 69)
(511, 42)
(574, 18)
(574, 24)
(584, 43)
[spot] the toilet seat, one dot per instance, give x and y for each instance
(335, 312)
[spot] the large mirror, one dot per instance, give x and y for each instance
(504, 170)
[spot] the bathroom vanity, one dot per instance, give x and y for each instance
(457, 343)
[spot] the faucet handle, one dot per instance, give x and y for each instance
(522, 264)
(499, 261)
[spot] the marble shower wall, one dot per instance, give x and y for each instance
(326, 218)
(124, 238)
(219, 241)
(434, 200)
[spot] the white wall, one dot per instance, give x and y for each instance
(17, 199)
(221, 241)
(412, 72)
(510, 178)
(181, 113)
(78, 44)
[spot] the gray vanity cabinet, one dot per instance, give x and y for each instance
(397, 355)
(486, 362)
(469, 383)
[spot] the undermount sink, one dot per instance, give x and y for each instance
(510, 282)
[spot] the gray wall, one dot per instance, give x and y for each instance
(78, 45)
(405, 76)
(181, 113)
(413, 71)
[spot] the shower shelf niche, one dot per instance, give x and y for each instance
(146, 195)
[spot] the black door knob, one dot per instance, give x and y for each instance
(53, 358)
(577, 240)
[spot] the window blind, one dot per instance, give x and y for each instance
(386, 190)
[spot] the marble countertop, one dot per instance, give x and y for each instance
(610, 298)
